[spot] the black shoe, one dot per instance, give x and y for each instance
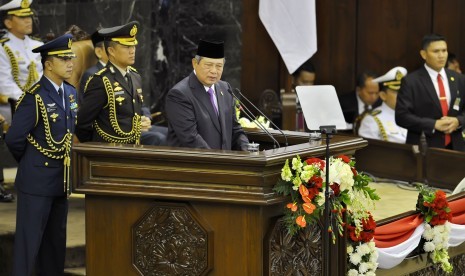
(6, 197)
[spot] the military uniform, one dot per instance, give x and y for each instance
(111, 110)
(380, 124)
(40, 139)
(20, 68)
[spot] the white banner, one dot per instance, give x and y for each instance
(291, 25)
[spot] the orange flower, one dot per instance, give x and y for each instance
(308, 208)
(300, 220)
(303, 190)
(292, 206)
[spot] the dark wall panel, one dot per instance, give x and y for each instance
(389, 33)
(449, 21)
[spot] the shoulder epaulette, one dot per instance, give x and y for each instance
(69, 84)
(375, 112)
(36, 38)
(33, 89)
(3, 40)
(101, 71)
(133, 69)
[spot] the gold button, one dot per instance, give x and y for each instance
(67, 117)
(133, 100)
(46, 163)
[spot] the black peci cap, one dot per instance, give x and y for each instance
(211, 49)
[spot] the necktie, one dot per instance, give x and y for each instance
(212, 99)
(129, 80)
(443, 101)
(60, 93)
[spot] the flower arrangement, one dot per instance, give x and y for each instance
(305, 182)
(362, 255)
(246, 123)
(434, 207)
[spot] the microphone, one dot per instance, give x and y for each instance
(260, 125)
(256, 108)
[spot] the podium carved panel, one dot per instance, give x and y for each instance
(170, 240)
(300, 254)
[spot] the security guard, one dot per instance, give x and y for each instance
(380, 123)
(20, 68)
(111, 109)
(40, 139)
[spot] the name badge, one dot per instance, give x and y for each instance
(457, 104)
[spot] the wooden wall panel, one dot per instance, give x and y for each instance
(389, 33)
(448, 20)
(335, 59)
(260, 58)
(353, 35)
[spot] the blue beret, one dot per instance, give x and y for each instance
(59, 47)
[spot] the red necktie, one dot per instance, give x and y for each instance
(443, 101)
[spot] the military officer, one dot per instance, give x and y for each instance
(20, 68)
(111, 109)
(380, 123)
(40, 139)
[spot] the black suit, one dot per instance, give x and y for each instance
(349, 105)
(418, 108)
(192, 121)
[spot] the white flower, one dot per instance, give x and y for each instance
(320, 199)
(355, 258)
(363, 268)
(363, 249)
(429, 233)
(370, 273)
(429, 247)
(340, 172)
(372, 245)
(352, 272)
(350, 249)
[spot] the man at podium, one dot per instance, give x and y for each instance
(200, 108)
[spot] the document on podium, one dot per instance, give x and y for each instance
(320, 106)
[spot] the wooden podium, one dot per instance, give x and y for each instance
(181, 211)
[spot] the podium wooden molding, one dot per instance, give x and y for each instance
(226, 197)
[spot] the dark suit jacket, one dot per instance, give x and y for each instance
(349, 106)
(192, 121)
(38, 174)
(418, 108)
(85, 77)
(97, 103)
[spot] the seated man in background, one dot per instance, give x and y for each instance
(453, 63)
(99, 51)
(303, 76)
(380, 123)
(363, 99)
(200, 108)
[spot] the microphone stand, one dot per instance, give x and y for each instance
(250, 117)
(328, 131)
(256, 108)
